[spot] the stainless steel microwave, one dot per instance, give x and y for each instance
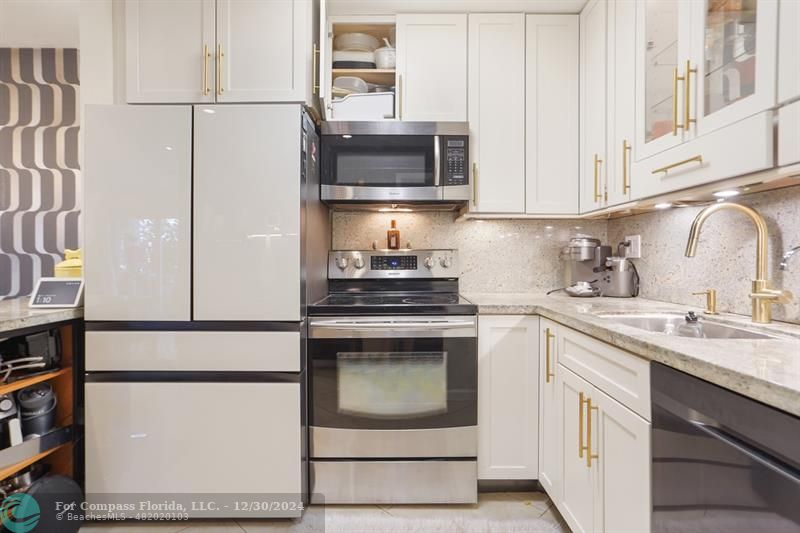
(394, 162)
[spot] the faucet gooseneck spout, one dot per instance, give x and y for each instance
(762, 295)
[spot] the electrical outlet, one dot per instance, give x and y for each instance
(634, 251)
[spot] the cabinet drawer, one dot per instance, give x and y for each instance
(212, 438)
(623, 376)
(789, 134)
(220, 351)
(740, 148)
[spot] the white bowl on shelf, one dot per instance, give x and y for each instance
(351, 83)
(359, 42)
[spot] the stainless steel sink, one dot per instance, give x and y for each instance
(677, 325)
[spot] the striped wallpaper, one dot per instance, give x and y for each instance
(40, 189)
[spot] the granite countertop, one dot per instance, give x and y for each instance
(15, 314)
(767, 370)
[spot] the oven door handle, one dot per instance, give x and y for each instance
(322, 329)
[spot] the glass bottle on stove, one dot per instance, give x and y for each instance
(393, 237)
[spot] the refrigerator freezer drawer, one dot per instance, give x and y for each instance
(196, 438)
(220, 351)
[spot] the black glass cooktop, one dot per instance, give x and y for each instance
(393, 303)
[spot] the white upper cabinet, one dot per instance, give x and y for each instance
(662, 49)
(137, 204)
(432, 67)
(497, 112)
(247, 212)
(735, 56)
(263, 48)
(551, 114)
(508, 397)
(788, 40)
(593, 19)
(621, 99)
(170, 51)
(200, 51)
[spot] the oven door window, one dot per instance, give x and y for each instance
(392, 385)
(378, 161)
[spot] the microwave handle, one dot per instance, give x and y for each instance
(437, 161)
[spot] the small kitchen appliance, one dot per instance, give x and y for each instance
(591, 270)
(394, 380)
(395, 162)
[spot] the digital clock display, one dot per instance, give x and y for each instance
(394, 262)
(57, 292)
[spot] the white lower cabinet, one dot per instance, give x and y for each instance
(146, 438)
(576, 501)
(599, 477)
(508, 397)
(623, 466)
(549, 421)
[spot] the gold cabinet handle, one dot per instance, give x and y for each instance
(675, 79)
(687, 94)
(580, 424)
(220, 55)
(314, 77)
(666, 169)
(474, 184)
(597, 163)
(548, 372)
(205, 70)
(626, 178)
(588, 448)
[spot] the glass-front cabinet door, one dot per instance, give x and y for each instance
(734, 53)
(662, 49)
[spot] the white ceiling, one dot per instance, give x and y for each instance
(39, 23)
(390, 7)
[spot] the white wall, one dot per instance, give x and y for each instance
(39, 23)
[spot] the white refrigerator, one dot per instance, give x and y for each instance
(204, 242)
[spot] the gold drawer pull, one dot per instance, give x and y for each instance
(548, 372)
(666, 169)
(588, 448)
(581, 447)
(220, 55)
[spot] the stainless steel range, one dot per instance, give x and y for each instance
(394, 381)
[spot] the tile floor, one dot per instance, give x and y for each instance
(499, 512)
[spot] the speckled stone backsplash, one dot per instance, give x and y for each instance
(495, 255)
(726, 254)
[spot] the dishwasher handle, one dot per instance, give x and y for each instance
(752, 453)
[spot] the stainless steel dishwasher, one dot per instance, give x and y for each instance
(721, 462)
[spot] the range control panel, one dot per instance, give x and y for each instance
(456, 160)
(386, 264)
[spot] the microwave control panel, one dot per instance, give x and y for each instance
(456, 160)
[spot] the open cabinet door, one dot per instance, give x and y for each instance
(322, 64)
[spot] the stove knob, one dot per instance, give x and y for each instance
(428, 263)
(342, 262)
(359, 262)
(446, 262)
